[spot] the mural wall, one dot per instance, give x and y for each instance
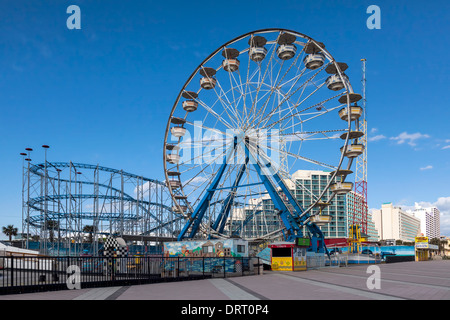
(207, 248)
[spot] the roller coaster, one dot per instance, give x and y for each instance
(66, 204)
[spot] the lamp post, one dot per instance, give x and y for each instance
(23, 154)
(28, 160)
(45, 197)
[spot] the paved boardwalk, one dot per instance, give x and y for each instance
(406, 280)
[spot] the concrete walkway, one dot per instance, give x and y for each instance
(398, 281)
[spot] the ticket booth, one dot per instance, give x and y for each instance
(288, 256)
(424, 249)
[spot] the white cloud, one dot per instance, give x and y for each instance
(409, 138)
(196, 182)
(427, 168)
(446, 147)
(145, 188)
(377, 137)
(443, 204)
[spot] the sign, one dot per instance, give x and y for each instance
(299, 257)
(303, 242)
(426, 246)
(421, 239)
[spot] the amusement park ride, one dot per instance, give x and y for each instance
(259, 108)
(240, 128)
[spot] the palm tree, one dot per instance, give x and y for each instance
(10, 231)
(51, 225)
(439, 243)
(89, 229)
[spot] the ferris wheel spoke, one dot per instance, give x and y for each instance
(261, 80)
(215, 114)
(312, 116)
(202, 156)
(227, 105)
(320, 104)
(245, 91)
(257, 124)
(297, 104)
(302, 118)
(289, 94)
(199, 124)
(236, 85)
(237, 101)
(308, 136)
(309, 191)
(303, 86)
(319, 163)
(279, 85)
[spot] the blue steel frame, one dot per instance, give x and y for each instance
(219, 225)
(194, 221)
(292, 221)
(36, 202)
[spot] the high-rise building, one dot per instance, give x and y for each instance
(430, 221)
(309, 185)
(260, 216)
(258, 219)
(354, 199)
(395, 223)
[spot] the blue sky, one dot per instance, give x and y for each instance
(103, 94)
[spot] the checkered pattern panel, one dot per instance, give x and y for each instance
(112, 248)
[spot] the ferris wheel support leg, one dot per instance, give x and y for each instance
(318, 240)
(293, 223)
(246, 221)
(225, 211)
(291, 226)
(196, 218)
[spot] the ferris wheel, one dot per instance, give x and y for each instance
(256, 110)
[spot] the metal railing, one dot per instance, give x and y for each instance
(316, 262)
(32, 274)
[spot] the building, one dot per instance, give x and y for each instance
(430, 222)
(309, 185)
(259, 217)
(256, 219)
(342, 207)
(395, 223)
(445, 246)
(351, 198)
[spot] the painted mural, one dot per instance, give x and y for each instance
(206, 248)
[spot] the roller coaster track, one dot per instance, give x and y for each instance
(36, 202)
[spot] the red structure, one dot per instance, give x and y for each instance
(360, 205)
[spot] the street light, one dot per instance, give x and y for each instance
(46, 196)
(23, 154)
(28, 160)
